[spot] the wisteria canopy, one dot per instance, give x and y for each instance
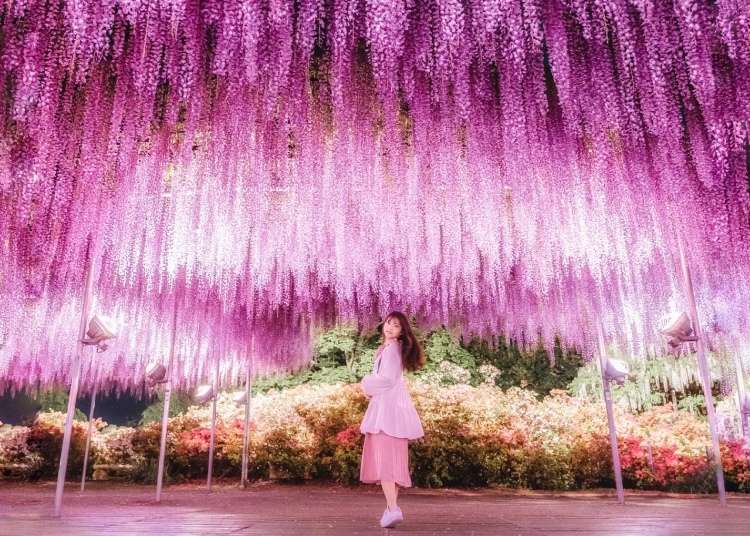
(267, 167)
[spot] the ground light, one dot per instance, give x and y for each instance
(101, 329)
(677, 328)
(156, 373)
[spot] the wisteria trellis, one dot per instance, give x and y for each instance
(499, 165)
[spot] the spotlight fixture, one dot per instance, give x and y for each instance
(100, 330)
(616, 370)
(156, 373)
(677, 328)
(240, 398)
(203, 394)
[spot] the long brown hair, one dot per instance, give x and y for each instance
(412, 356)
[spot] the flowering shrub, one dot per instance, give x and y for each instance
(446, 373)
(113, 445)
(474, 436)
(736, 463)
(664, 468)
(489, 373)
(16, 459)
(45, 438)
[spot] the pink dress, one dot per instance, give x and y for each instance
(390, 421)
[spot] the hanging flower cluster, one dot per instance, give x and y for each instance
(270, 166)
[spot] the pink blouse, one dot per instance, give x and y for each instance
(391, 409)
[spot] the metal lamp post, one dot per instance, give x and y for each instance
(212, 444)
(246, 398)
(165, 411)
(246, 429)
(203, 394)
(704, 371)
(88, 434)
(611, 371)
(73, 393)
(743, 401)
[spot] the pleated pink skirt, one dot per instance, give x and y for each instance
(385, 459)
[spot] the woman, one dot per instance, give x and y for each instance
(390, 420)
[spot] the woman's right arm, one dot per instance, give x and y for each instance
(387, 376)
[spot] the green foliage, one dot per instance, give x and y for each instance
(345, 355)
(340, 355)
(54, 400)
(305, 377)
(336, 347)
(440, 347)
(178, 403)
(57, 400)
(530, 369)
(279, 382)
(364, 363)
(652, 382)
(693, 403)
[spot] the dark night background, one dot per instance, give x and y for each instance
(115, 408)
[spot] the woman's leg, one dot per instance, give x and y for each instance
(391, 494)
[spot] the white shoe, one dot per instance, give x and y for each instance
(391, 518)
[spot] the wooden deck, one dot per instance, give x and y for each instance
(274, 509)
